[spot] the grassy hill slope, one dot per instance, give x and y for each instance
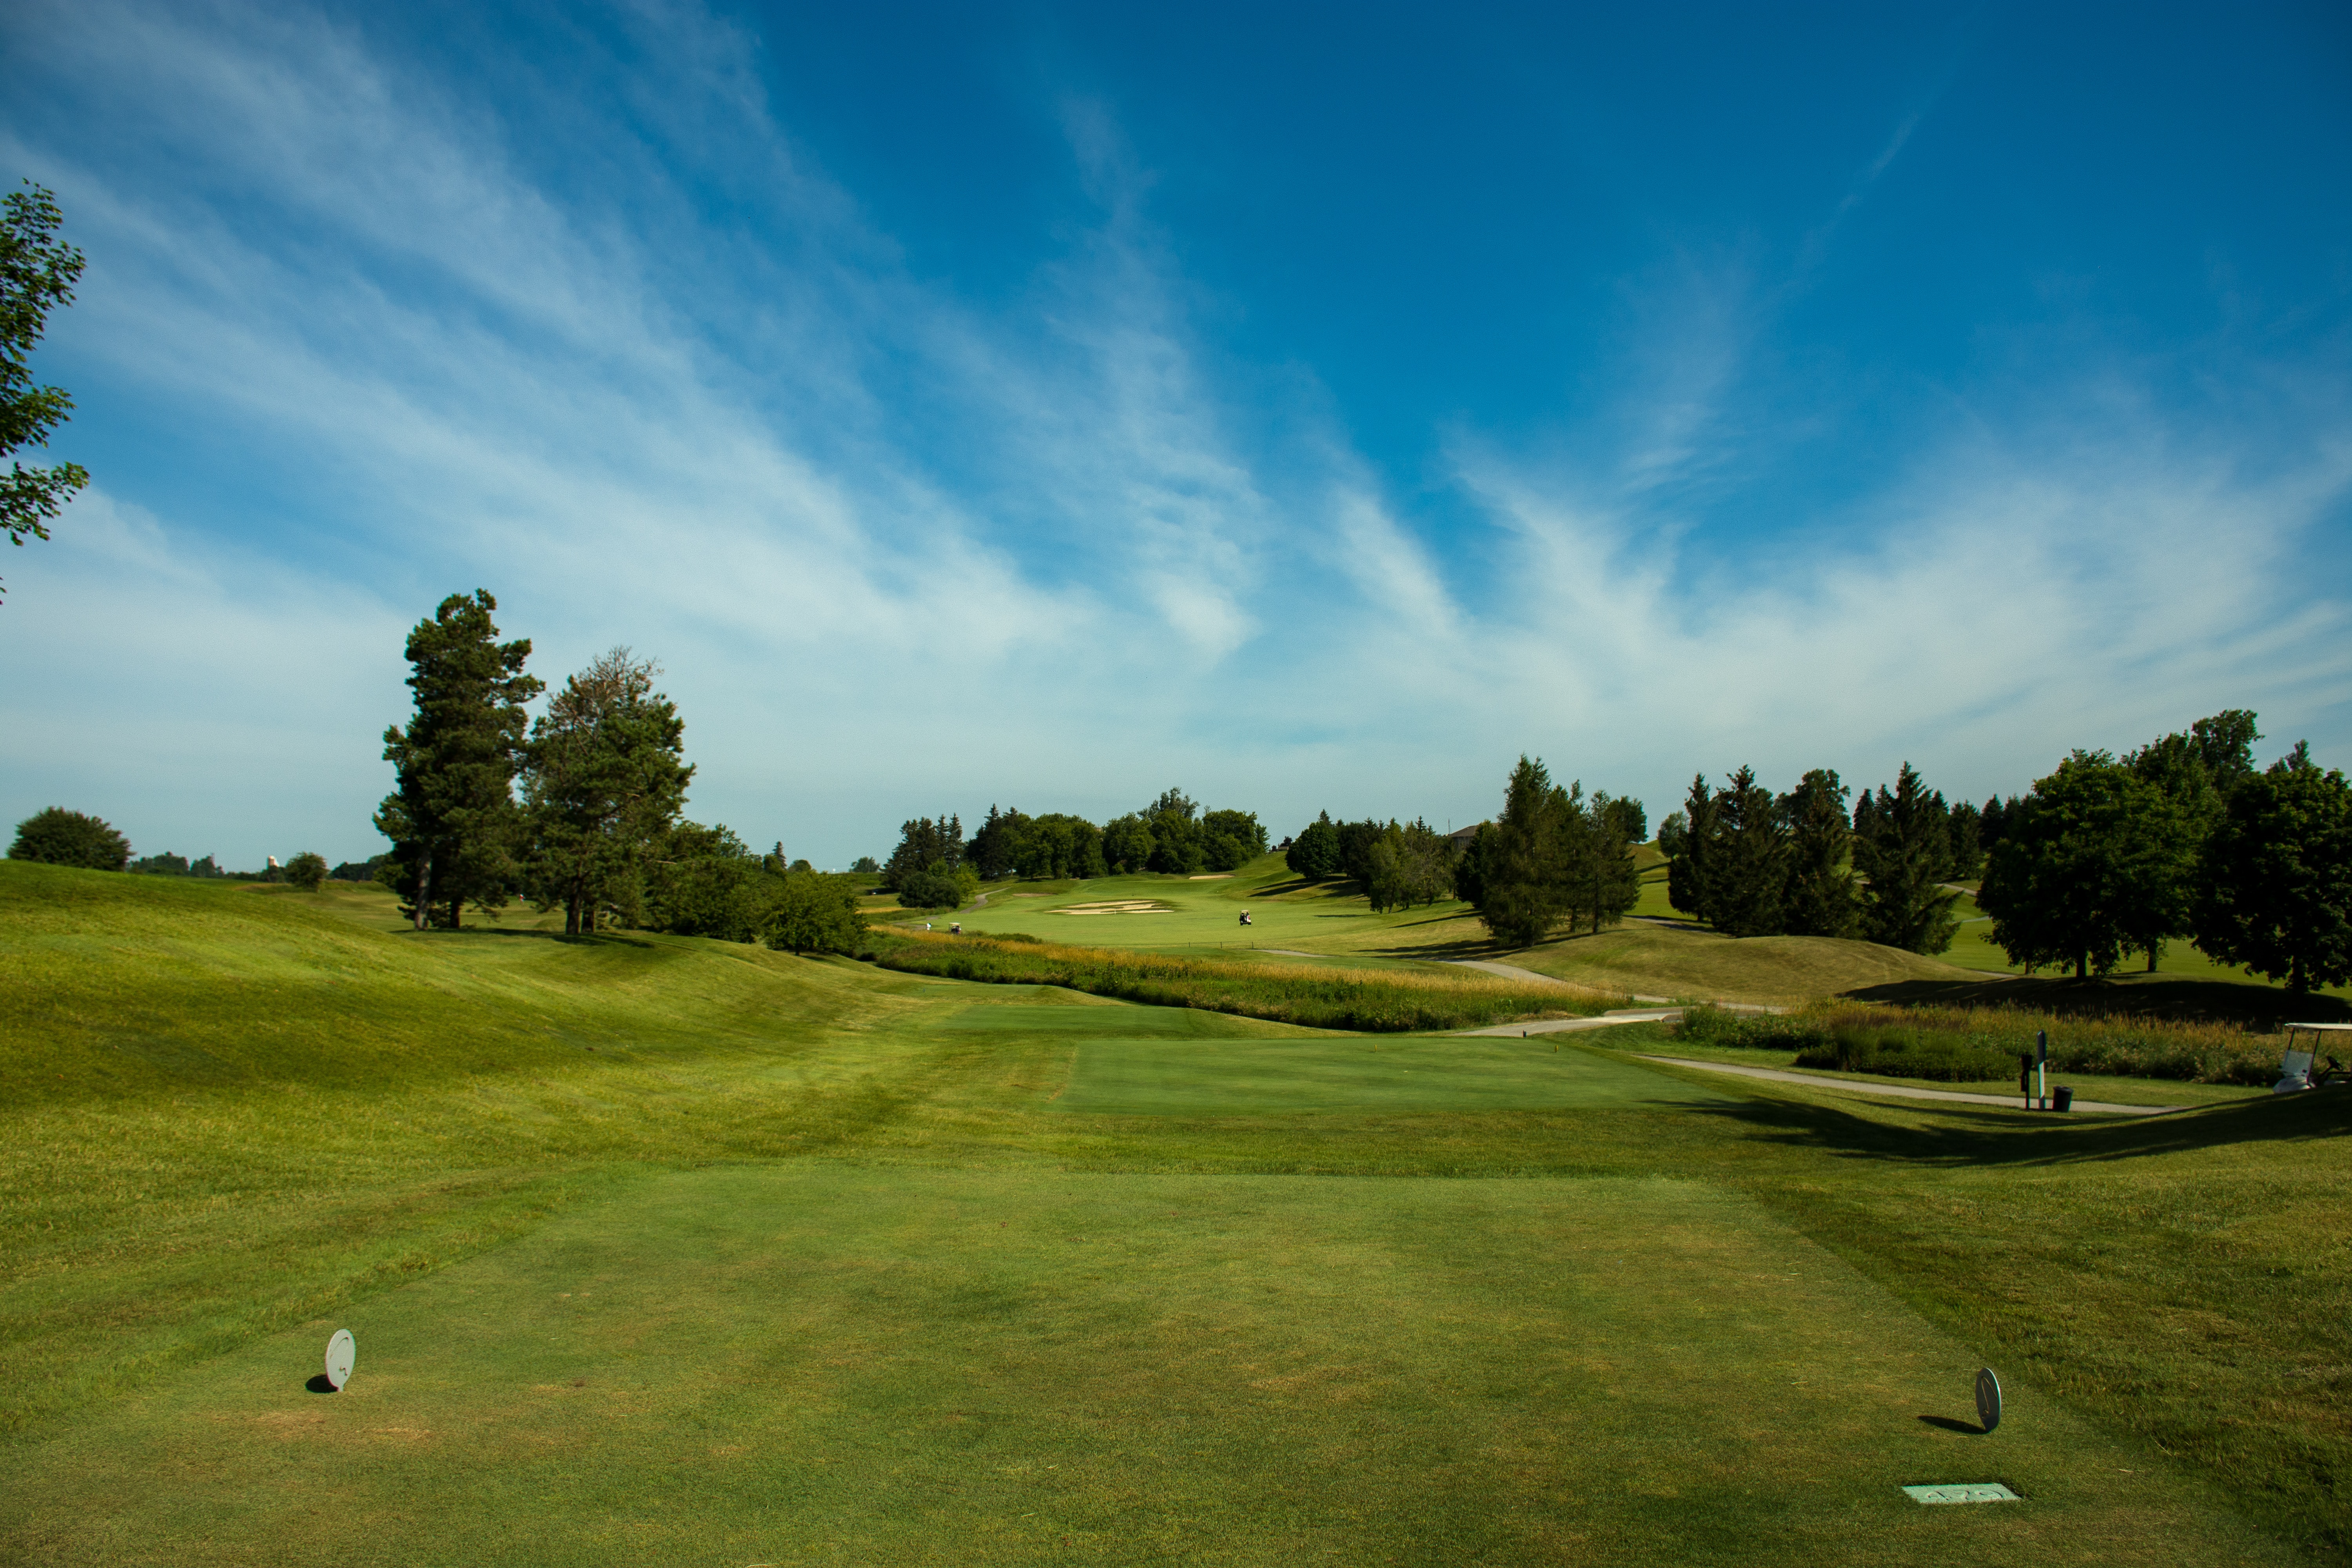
(814, 1262)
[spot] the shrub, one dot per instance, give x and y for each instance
(816, 913)
(307, 870)
(933, 890)
(1711, 1026)
(1958, 1044)
(1907, 1052)
(60, 838)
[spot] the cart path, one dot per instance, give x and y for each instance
(1901, 1090)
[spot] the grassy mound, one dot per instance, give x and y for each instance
(1654, 961)
(124, 985)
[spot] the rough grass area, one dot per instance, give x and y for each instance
(1976, 1044)
(667, 1250)
(1315, 995)
(1656, 961)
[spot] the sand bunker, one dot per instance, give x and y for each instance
(1212, 876)
(1117, 906)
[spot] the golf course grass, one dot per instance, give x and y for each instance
(667, 1249)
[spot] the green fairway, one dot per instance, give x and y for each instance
(1139, 1077)
(667, 1249)
(1203, 912)
(820, 1364)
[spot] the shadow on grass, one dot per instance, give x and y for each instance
(1945, 1424)
(319, 1384)
(1995, 1137)
(2154, 996)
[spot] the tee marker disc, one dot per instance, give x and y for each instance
(341, 1353)
(1987, 1398)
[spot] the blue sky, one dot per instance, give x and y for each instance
(1310, 406)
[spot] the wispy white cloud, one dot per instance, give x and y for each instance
(1074, 570)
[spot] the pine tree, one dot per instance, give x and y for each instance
(1750, 859)
(1903, 849)
(1818, 899)
(1529, 859)
(1607, 884)
(452, 818)
(1689, 886)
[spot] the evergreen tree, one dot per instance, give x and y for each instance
(925, 844)
(452, 818)
(1689, 885)
(1965, 825)
(2274, 883)
(1989, 823)
(1530, 857)
(604, 781)
(1901, 848)
(1607, 884)
(993, 853)
(1748, 862)
(1819, 898)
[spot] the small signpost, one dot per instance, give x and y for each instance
(341, 1353)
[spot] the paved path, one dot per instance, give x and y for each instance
(1899, 1090)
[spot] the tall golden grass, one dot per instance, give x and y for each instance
(1317, 995)
(1985, 1042)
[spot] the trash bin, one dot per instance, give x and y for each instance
(2063, 1098)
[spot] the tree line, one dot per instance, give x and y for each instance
(1398, 864)
(1553, 857)
(1751, 863)
(581, 809)
(2182, 838)
(934, 866)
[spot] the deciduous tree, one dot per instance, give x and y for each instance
(37, 272)
(2273, 885)
(816, 913)
(605, 782)
(2087, 868)
(60, 838)
(1315, 853)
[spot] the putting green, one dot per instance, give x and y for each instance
(1391, 1072)
(818, 1362)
